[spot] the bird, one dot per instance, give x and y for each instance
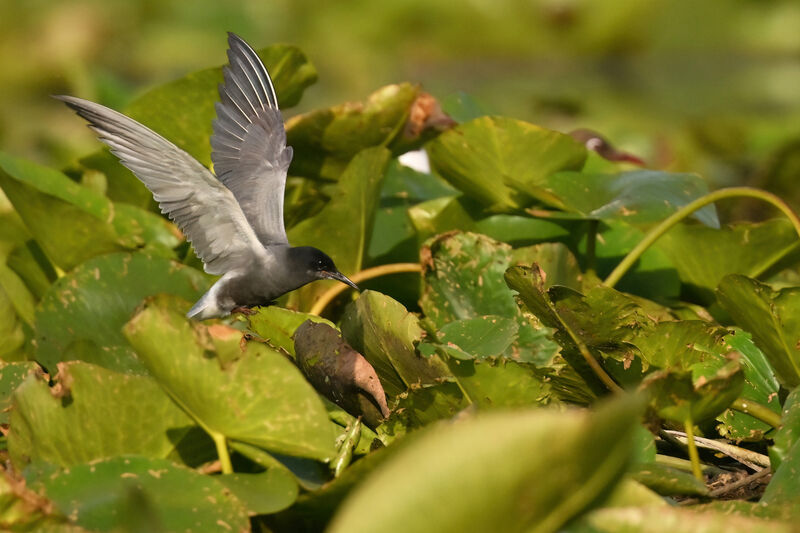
(233, 219)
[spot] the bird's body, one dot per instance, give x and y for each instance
(234, 219)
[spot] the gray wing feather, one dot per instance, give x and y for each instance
(249, 142)
(202, 207)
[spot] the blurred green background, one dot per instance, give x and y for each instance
(709, 86)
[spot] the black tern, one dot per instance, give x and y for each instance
(234, 220)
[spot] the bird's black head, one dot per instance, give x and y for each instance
(316, 264)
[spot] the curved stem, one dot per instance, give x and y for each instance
(694, 456)
(654, 234)
(222, 451)
(756, 410)
(370, 273)
(591, 246)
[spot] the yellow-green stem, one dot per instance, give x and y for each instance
(756, 410)
(687, 210)
(694, 457)
(222, 451)
(591, 246)
(370, 273)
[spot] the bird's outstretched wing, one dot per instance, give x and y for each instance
(249, 143)
(202, 207)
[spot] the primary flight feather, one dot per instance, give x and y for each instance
(234, 220)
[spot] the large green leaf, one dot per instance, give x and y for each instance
(683, 396)
(784, 486)
(343, 228)
(773, 317)
(639, 197)
(277, 325)
(422, 405)
(703, 256)
(248, 392)
(150, 494)
(386, 334)
(265, 492)
(500, 382)
(94, 413)
(789, 433)
(73, 223)
(659, 519)
(82, 314)
(325, 140)
(602, 320)
(460, 212)
(503, 163)
(11, 376)
(760, 385)
(463, 279)
(480, 474)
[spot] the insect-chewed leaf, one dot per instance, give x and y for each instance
(255, 398)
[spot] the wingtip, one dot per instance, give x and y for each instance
(234, 38)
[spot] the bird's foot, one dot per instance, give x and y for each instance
(243, 310)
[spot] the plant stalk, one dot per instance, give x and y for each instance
(654, 234)
(591, 246)
(222, 451)
(694, 456)
(370, 273)
(756, 410)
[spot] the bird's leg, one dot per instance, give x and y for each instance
(243, 310)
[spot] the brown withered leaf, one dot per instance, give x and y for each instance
(339, 372)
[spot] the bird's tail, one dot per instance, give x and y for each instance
(207, 306)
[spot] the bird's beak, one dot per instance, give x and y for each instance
(338, 276)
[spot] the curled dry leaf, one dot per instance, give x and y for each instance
(339, 372)
(596, 142)
(63, 384)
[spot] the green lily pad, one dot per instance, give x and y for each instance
(325, 140)
(668, 481)
(591, 455)
(385, 332)
(602, 320)
(115, 493)
(499, 382)
(422, 405)
(263, 493)
(785, 484)
(12, 330)
(344, 227)
(660, 519)
(789, 432)
(463, 279)
(760, 385)
(479, 337)
(681, 396)
(639, 197)
(773, 319)
(503, 163)
(82, 315)
(94, 413)
(11, 376)
(72, 223)
(703, 256)
(277, 325)
(254, 398)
